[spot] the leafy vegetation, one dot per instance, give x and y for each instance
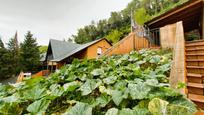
(43, 49)
(135, 84)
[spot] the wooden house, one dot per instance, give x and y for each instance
(60, 53)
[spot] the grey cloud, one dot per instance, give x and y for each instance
(56, 19)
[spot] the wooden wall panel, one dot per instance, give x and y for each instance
(167, 36)
(127, 44)
(91, 51)
(178, 70)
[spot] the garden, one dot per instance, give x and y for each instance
(133, 84)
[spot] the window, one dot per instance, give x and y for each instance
(99, 51)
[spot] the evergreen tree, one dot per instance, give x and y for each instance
(30, 54)
(13, 53)
(6, 67)
(1, 44)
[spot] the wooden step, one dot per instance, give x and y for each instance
(194, 78)
(197, 99)
(195, 67)
(194, 75)
(194, 49)
(194, 60)
(196, 88)
(196, 85)
(194, 42)
(194, 97)
(195, 54)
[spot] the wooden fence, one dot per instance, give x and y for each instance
(127, 44)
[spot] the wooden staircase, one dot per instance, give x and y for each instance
(195, 71)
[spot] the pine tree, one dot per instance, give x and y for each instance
(13, 52)
(30, 54)
(6, 67)
(1, 44)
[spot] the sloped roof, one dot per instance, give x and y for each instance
(62, 50)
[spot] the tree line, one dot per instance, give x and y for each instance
(119, 23)
(15, 57)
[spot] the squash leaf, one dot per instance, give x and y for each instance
(79, 109)
(39, 106)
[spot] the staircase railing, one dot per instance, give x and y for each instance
(153, 36)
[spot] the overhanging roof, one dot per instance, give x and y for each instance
(74, 50)
(60, 48)
(190, 13)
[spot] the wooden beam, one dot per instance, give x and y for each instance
(202, 21)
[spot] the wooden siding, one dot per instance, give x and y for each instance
(178, 69)
(41, 73)
(91, 51)
(167, 36)
(127, 44)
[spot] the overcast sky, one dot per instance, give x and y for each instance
(56, 19)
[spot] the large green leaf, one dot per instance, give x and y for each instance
(110, 80)
(179, 110)
(5, 90)
(71, 86)
(89, 86)
(34, 93)
(97, 72)
(56, 90)
(117, 96)
(112, 111)
(103, 100)
(138, 91)
(10, 99)
(158, 107)
(39, 106)
(79, 109)
(10, 109)
(140, 111)
(155, 59)
(126, 111)
(184, 104)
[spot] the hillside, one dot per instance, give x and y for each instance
(136, 83)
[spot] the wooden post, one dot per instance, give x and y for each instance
(178, 69)
(202, 21)
(52, 67)
(134, 41)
